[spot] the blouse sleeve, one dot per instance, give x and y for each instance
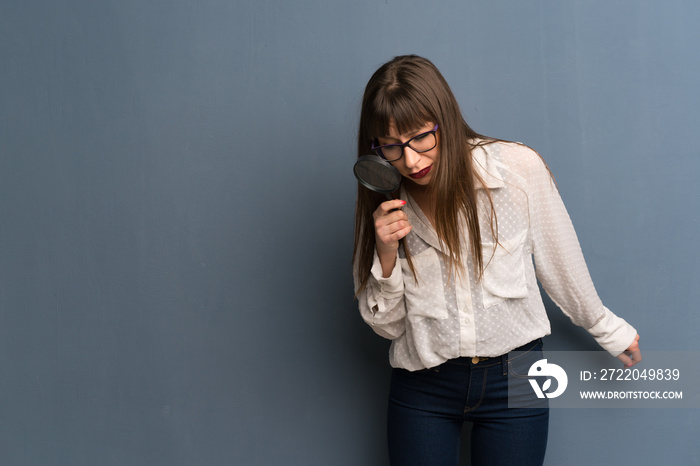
(560, 265)
(381, 302)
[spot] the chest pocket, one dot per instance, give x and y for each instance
(426, 297)
(504, 276)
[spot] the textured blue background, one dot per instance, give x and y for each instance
(176, 213)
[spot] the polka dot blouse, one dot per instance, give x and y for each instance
(443, 316)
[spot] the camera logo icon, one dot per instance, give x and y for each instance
(542, 368)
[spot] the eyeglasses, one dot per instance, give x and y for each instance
(420, 143)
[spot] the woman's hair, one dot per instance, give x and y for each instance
(409, 91)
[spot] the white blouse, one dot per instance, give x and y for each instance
(444, 316)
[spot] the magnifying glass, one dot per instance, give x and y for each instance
(376, 174)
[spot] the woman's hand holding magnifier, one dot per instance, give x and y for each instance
(390, 226)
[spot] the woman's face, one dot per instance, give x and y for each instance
(416, 166)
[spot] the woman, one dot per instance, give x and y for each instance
(445, 271)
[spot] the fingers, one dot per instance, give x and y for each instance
(630, 358)
(635, 357)
(625, 359)
(632, 355)
(390, 230)
(390, 225)
(397, 235)
(389, 206)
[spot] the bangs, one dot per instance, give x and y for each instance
(406, 113)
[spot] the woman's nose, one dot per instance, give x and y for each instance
(410, 156)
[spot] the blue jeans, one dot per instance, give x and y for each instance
(427, 409)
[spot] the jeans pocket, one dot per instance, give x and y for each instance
(522, 392)
(519, 362)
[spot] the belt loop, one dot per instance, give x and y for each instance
(504, 364)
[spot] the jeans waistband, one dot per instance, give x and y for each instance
(483, 362)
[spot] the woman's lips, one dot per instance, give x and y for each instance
(421, 174)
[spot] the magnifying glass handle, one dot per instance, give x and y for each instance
(389, 198)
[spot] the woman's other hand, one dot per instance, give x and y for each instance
(631, 355)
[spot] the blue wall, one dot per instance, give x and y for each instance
(176, 212)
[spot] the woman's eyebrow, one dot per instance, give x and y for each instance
(408, 134)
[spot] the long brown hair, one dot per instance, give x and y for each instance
(410, 91)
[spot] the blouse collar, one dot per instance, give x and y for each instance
(484, 165)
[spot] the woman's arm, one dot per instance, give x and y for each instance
(561, 268)
(381, 302)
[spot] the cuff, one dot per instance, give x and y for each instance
(391, 285)
(613, 333)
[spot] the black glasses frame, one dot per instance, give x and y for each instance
(378, 149)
